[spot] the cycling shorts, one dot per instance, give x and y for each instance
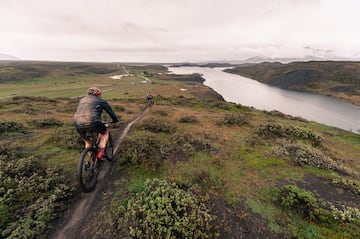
(99, 128)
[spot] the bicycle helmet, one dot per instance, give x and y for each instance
(94, 91)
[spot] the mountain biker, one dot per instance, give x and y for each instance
(87, 118)
(149, 98)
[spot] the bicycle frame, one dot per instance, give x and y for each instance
(89, 165)
(98, 139)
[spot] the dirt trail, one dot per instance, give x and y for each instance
(72, 225)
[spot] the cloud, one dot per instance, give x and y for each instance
(112, 29)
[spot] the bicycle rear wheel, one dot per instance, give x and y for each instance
(87, 173)
(109, 150)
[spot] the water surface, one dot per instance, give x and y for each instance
(248, 92)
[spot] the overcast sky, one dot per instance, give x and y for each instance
(178, 30)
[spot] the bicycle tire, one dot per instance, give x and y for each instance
(87, 174)
(150, 103)
(109, 149)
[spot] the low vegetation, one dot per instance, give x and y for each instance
(47, 122)
(66, 138)
(161, 210)
(182, 146)
(142, 148)
(352, 185)
(234, 119)
(157, 126)
(279, 131)
(31, 195)
(11, 127)
(308, 206)
(189, 119)
(194, 167)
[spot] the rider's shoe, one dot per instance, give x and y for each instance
(101, 153)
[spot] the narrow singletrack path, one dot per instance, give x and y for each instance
(71, 227)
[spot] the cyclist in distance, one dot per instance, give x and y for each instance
(150, 98)
(87, 118)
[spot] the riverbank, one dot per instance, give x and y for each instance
(193, 78)
(248, 92)
(336, 79)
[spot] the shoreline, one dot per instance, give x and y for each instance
(311, 106)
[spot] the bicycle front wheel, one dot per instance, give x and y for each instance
(87, 173)
(109, 150)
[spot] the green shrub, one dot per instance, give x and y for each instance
(25, 99)
(67, 138)
(162, 210)
(252, 141)
(285, 116)
(270, 130)
(304, 203)
(11, 127)
(30, 195)
(119, 108)
(11, 150)
(46, 123)
(280, 131)
(352, 185)
(179, 100)
(308, 206)
(141, 148)
(277, 113)
(157, 126)
(188, 119)
(234, 119)
(219, 104)
(161, 112)
(304, 154)
(346, 214)
(182, 146)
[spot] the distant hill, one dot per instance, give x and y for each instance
(211, 65)
(261, 59)
(22, 70)
(335, 78)
(8, 57)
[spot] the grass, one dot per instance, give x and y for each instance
(138, 176)
(267, 211)
(199, 170)
(68, 86)
(353, 139)
(318, 171)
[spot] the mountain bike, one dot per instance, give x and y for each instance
(150, 102)
(89, 165)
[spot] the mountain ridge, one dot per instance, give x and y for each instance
(8, 57)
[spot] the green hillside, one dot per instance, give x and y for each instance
(334, 78)
(194, 166)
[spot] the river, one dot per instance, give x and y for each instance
(245, 91)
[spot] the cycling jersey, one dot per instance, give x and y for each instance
(88, 112)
